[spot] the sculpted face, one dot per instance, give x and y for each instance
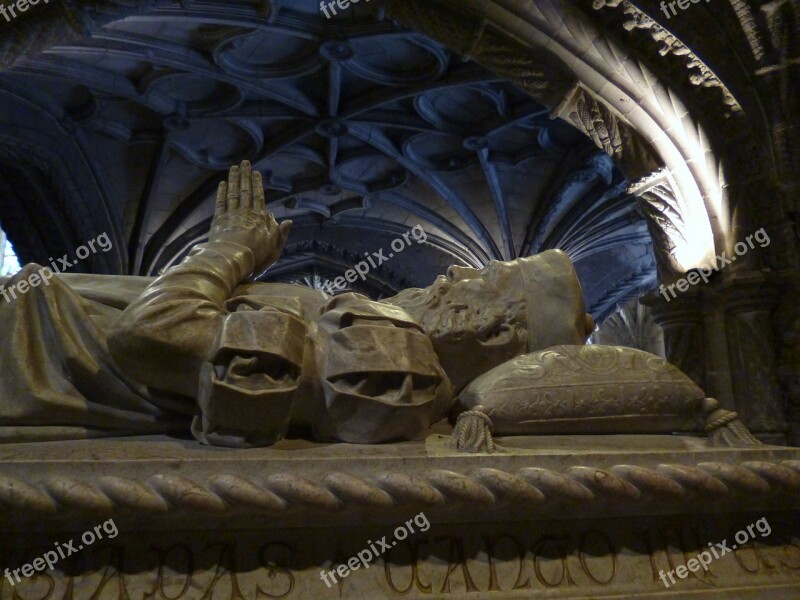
(475, 318)
(480, 318)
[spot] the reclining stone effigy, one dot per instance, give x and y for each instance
(244, 364)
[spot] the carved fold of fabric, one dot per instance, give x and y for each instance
(57, 377)
(247, 391)
(165, 336)
(379, 377)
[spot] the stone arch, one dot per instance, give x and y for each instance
(560, 57)
(62, 193)
(557, 53)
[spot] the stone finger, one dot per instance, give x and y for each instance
(233, 188)
(221, 205)
(259, 203)
(246, 185)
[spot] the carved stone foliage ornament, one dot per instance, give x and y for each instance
(633, 326)
(700, 74)
(665, 215)
(609, 132)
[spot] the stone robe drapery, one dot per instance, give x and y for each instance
(57, 377)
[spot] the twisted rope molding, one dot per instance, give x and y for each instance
(487, 487)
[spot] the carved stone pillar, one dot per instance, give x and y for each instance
(787, 328)
(749, 300)
(790, 384)
(684, 332)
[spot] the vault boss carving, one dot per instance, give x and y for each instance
(242, 364)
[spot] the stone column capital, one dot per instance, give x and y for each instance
(749, 291)
(683, 310)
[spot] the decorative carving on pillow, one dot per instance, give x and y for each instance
(585, 389)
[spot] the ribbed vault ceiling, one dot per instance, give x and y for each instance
(360, 129)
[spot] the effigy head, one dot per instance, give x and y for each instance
(376, 370)
(480, 318)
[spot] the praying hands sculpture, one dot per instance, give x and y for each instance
(243, 364)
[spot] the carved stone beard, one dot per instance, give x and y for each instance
(473, 326)
(479, 318)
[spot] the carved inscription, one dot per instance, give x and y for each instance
(669, 547)
(181, 571)
(481, 559)
(547, 562)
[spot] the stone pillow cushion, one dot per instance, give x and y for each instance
(585, 389)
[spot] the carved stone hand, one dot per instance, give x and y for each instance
(240, 217)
